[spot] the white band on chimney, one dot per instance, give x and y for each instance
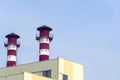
(44, 40)
(12, 47)
(44, 52)
(11, 58)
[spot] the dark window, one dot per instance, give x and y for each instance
(47, 73)
(65, 77)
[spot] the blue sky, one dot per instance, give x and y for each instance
(85, 31)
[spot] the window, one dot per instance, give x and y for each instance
(65, 77)
(47, 73)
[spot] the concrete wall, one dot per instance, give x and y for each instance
(13, 77)
(32, 68)
(24, 76)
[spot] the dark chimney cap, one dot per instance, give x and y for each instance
(44, 27)
(12, 35)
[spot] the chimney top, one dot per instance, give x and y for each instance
(12, 35)
(44, 27)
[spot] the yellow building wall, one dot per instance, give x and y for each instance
(29, 76)
(74, 70)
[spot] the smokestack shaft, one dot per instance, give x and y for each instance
(44, 40)
(12, 46)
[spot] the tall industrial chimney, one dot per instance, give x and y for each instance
(44, 39)
(12, 44)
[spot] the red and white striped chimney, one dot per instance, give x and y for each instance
(44, 39)
(12, 46)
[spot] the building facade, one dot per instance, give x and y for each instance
(54, 69)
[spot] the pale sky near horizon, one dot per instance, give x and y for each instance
(85, 31)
